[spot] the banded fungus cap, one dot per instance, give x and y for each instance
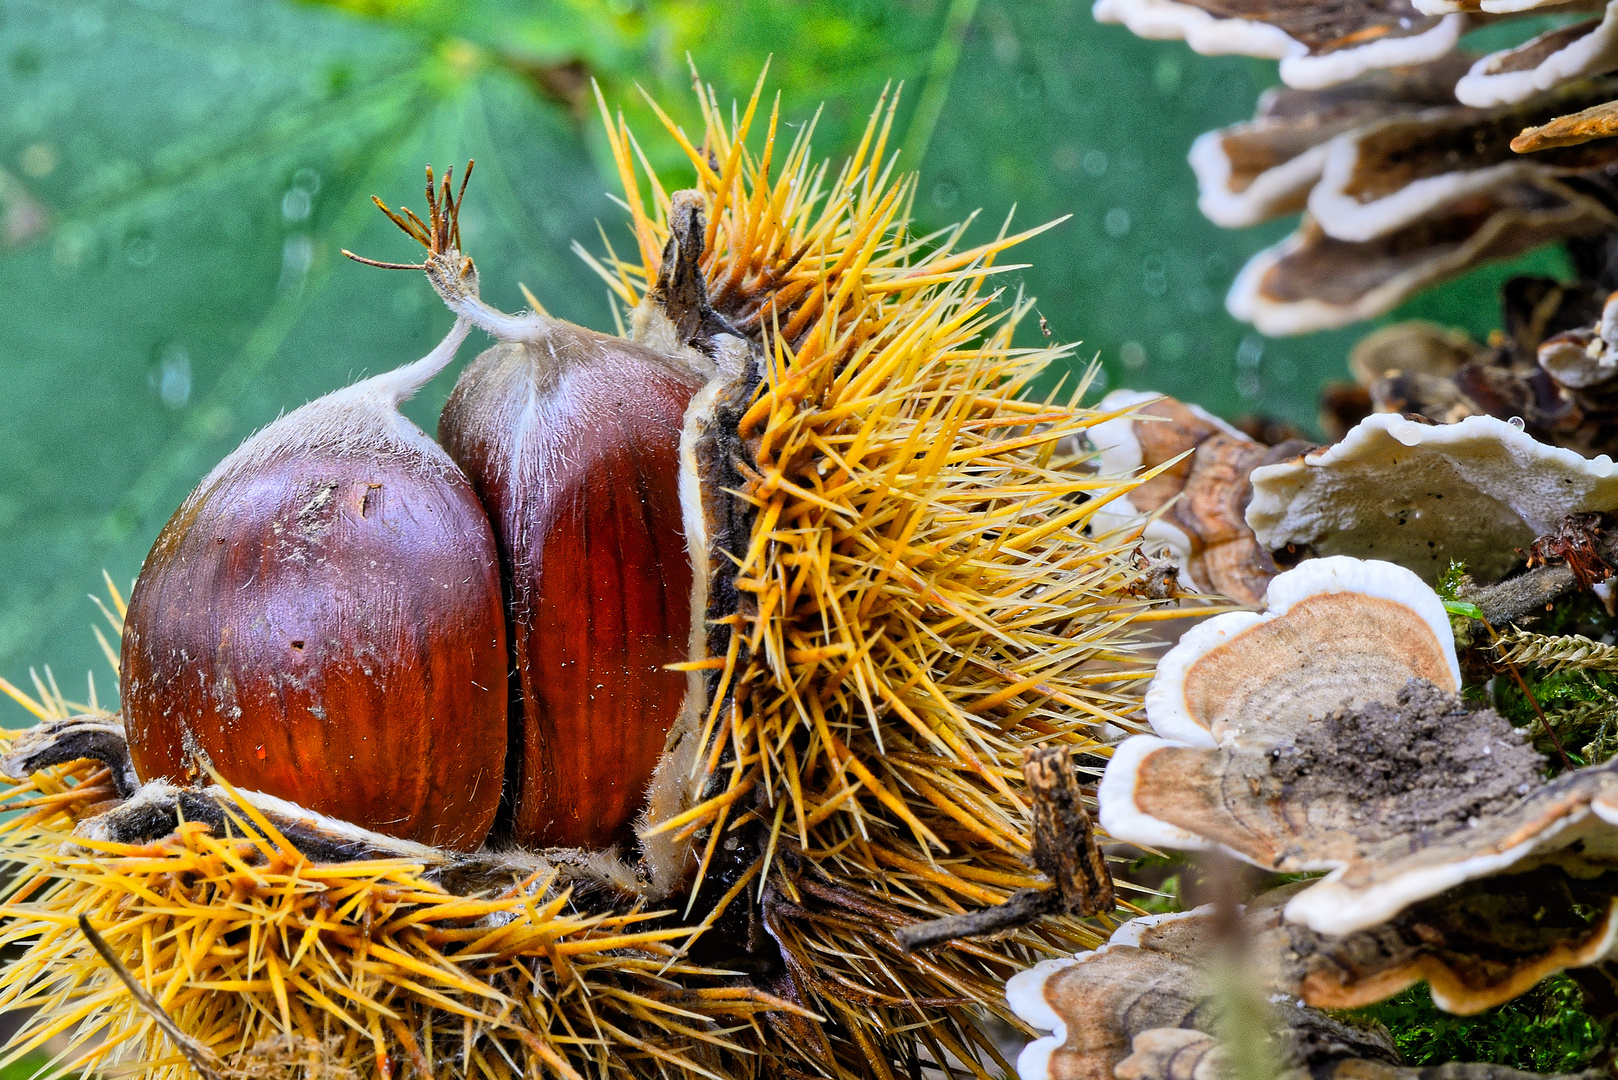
(1586, 357)
(1094, 1003)
(1155, 972)
(1543, 63)
(1319, 43)
(1331, 738)
(1421, 494)
(1409, 901)
(1412, 157)
(1194, 491)
(1336, 632)
(1412, 347)
(1385, 176)
(1312, 281)
(1264, 168)
(1476, 950)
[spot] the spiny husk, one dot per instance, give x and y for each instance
(919, 604)
(245, 943)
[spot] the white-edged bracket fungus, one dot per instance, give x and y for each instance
(1474, 949)
(1263, 168)
(1383, 177)
(1326, 735)
(1543, 63)
(1318, 43)
(1152, 973)
(1490, 7)
(1179, 1054)
(1310, 281)
(1194, 506)
(1421, 494)
(1404, 191)
(1411, 367)
(1336, 633)
(1585, 357)
(1095, 1002)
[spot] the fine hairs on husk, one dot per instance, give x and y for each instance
(908, 602)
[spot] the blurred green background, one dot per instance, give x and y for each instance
(177, 178)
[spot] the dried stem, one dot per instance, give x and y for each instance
(1021, 908)
(1064, 849)
(202, 1059)
(440, 234)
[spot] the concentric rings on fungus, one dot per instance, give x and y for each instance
(1318, 43)
(1311, 281)
(1476, 949)
(1326, 735)
(1155, 973)
(1193, 486)
(1263, 168)
(1547, 61)
(1335, 633)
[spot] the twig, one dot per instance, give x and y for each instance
(1513, 598)
(1020, 908)
(1064, 849)
(202, 1059)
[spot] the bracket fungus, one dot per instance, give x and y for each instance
(1177, 1054)
(1094, 1003)
(1413, 170)
(1585, 357)
(1332, 761)
(1384, 176)
(1411, 367)
(1311, 281)
(1574, 129)
(1318, 43)
(1163, 973)
(1548, 370)
(1263, 168)
(1543, 63)
(1157, 972)
(1244, 674)
(1421, 494)
(1195, 490)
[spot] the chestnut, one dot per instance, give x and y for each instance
(321, 621)
(572, 441)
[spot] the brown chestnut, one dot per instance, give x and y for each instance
(572, 440)
(321, 621)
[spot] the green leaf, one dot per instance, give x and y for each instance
(210, 161)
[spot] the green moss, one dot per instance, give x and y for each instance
(1580, 706)
(1449, 582)
(1546, 1030)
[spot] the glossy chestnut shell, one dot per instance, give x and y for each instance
(325, 625)
(572, 442)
